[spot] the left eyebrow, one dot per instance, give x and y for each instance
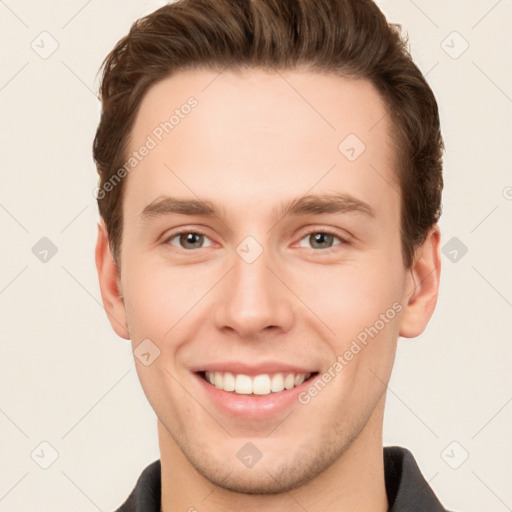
(325, 203)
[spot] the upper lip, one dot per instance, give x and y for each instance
(239, 367)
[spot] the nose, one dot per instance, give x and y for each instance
(252, 300)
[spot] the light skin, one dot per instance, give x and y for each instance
(252, 145)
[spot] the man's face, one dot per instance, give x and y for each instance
(254, 291)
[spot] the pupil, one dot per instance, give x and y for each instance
(193, 239)
(321, 238)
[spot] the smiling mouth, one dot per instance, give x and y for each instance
(264, 384)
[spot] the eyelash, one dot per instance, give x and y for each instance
(342, 240)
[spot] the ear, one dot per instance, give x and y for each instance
(422, 286)
(110, 283)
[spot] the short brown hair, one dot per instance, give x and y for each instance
(346, 37)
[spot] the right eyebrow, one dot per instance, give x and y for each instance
(168, 205)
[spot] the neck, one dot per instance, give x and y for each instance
(355, 481)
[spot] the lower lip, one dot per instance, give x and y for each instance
(252, 407)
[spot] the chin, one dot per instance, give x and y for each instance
(272, 474)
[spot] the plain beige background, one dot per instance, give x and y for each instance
(68, 382)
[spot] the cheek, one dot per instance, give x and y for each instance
(148, 303)
(157, 302)
(159, 297)
(350, 296)
(361, 306)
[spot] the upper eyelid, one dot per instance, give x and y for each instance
(344, 240)
(172, 236)
(344, 236)
(329, 231)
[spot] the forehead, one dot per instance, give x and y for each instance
(238, 136)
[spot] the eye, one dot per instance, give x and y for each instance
(189, 240)
(321, 240)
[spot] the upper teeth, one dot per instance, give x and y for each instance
(258, 385)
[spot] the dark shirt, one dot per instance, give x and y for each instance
(406, 488)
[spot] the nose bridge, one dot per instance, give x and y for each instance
(252, 298)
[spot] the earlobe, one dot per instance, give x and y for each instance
(110, 283)
(422, 288)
